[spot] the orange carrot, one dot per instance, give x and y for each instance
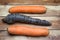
(28, 9)
(27, 30)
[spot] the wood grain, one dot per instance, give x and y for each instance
(35, 2)
(24, 1)
(52, 11)
(52, 36)
(52, 15)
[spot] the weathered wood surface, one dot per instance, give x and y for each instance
(52, 15)
(52, 11)
(35, 2)
(54, 34)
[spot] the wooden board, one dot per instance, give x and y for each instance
(52, 11)
(35, 2)
(54, 34)
(52, 15)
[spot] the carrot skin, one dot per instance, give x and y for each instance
(27, 30)
(28, 9)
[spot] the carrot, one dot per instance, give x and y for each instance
(27, 30)
(28, 9)
(18, 18)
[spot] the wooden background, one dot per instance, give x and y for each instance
(36, 2)
(52, 15)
